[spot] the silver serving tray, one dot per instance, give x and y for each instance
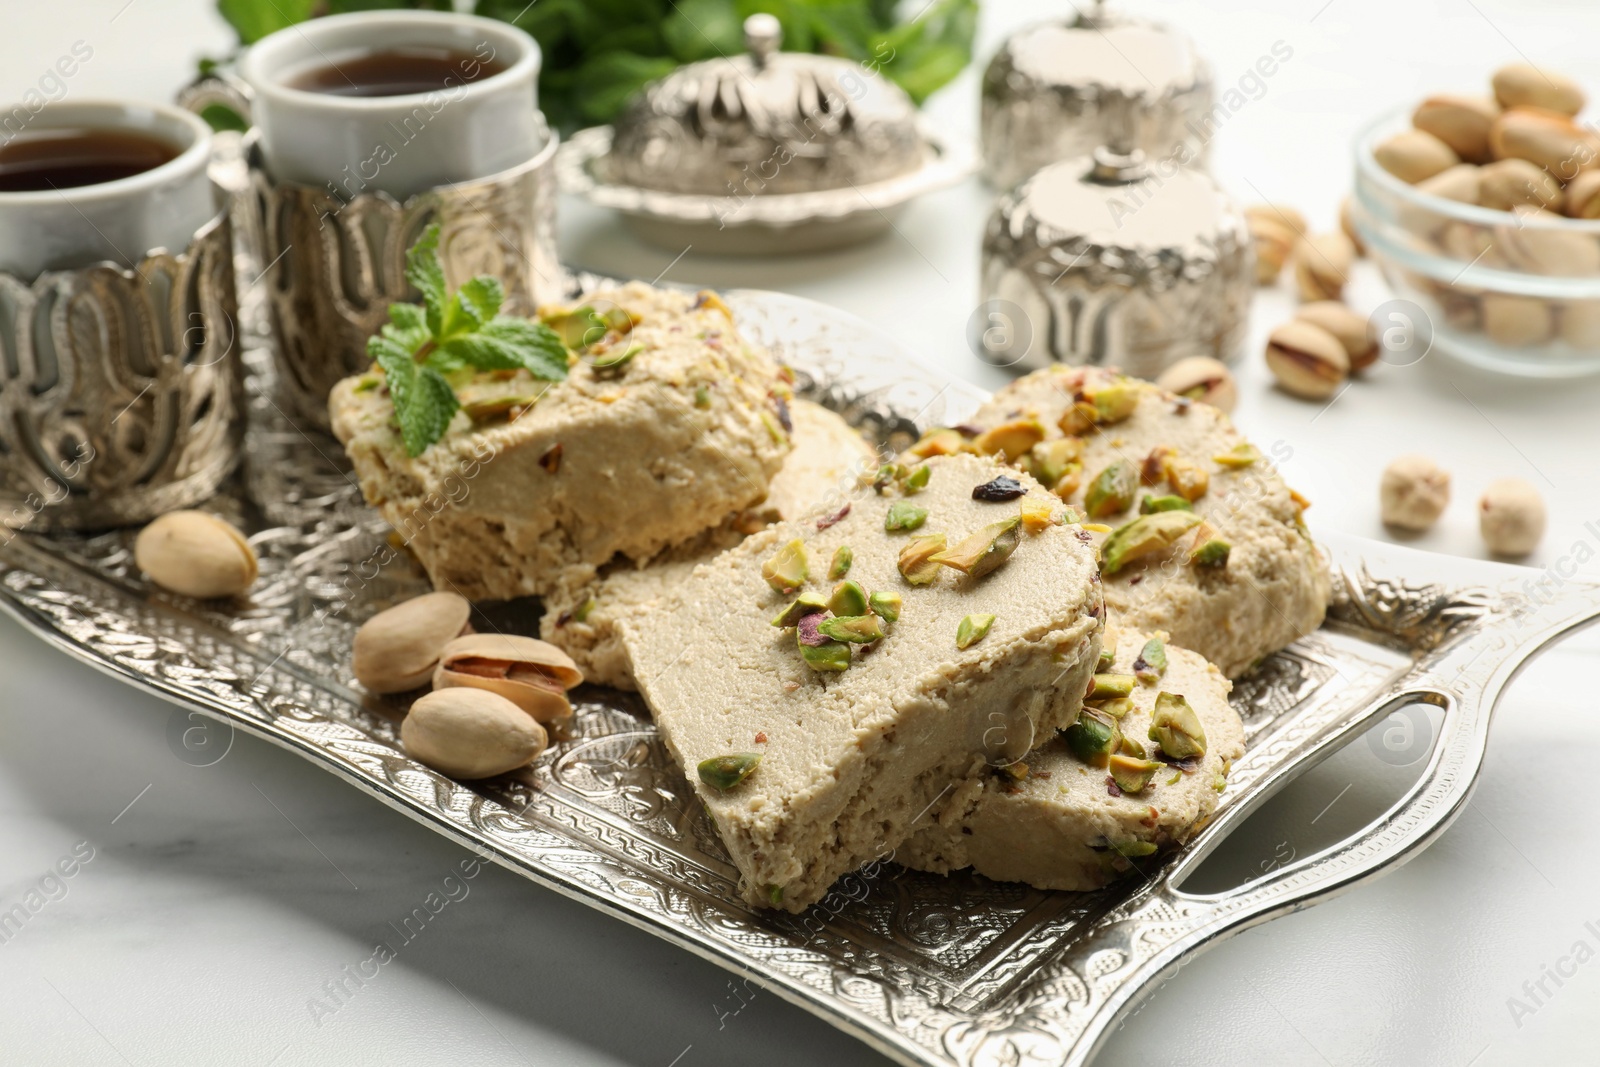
(927, 969)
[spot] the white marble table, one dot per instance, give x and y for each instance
(218, 914)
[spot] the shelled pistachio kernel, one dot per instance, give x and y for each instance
(1104, 403)
(972, 629)
(1112, 490)
(818, 650)
(1128, 746)
(938, 442)
(1187, 478)
(1238, 457)
(1130, 773)
(1011, 439)
(1143, 536)
(983, 551)
(1151, 662)
(916, 559)
(855, 629)
(1110, 686)
(889, 474)
(1209, 550)
(722, 773)
(1108, 653)
(1037, 515)
(1116, 707)
(1176, 727)
(803, 605)
(843, 557)
(1151, 505)
(848, 599)
(1092, 738)
(885, 606)
(1051, 461)
(917, 480)
(903, 516)
(787, 569)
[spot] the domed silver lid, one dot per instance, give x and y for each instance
(1112, 260)
(1050, 90)
(769, 122)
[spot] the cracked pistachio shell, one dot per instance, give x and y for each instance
(1322, 265)
(470, 733)
(1306, 360)
(1201, 378)
(194, 553)
(916, 559)
(1348, 327)
(530, 673)
(398, 650)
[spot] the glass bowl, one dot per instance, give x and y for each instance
(1516, 292)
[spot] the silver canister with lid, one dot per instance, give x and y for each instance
(1050, 91)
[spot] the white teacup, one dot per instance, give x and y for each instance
(78, 226)
(400, 145)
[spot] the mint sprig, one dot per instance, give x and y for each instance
(451, 334)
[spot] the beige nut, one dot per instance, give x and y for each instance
(1347, 225)
(1583, 196)
(1282, 214)
(470, 733)
(1524, 85)
(1322, 265)
(1508, 183)
(1413, 155)
(1580, 324)
(1472, 243)
(1544, 139)
(1516, 321)
(1459, 185)
(533, 675)
(1274, 245)
(1351, 330)
(398, 649)
(1511, 516)
(1413, 492)
(1306, 360)
(1543, 243)
(1201, 378)
(194, 553)
(1462, 122)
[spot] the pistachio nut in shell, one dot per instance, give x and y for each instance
(1274, 243)
(1201, 378)
(1511, 516)
(1583, 196)
(1413, 155)
(194, 553)
(1282, 214)
(470, 733)
(1306, 360)
(1540, 242)
(1347, 225)
(1508, 183)
(1545, 139)
(1525, 85)
(1413, 492)
(1322, 265)
(1462, 122)
(530, 673)
(1580, 323)
(1516, 321)
(398, 649)
(1349, 328)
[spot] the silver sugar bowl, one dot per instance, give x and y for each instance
(1053, 92)
(1113, 260)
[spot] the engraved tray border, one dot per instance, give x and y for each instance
(928, 970)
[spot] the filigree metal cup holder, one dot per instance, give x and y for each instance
(334, 262)
(120, 389)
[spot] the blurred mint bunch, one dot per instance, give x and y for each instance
(597, 53)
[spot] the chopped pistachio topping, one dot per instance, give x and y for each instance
(1013, 772)
(1176, 776)
(917, 480)
(1152, 661)
(1239, 456)
(1111, 492)
(856, 629)
(368, 383)
(848, 599)
(1176, 727)
(1038, 516)
(938, 442)
(775, 894)
(1129, 746)
(842, 558)
(1116, 707)
(583, 326)
(1010, 439)
(1092, 739)
(828, 656)
(1219, 783)
(1154, 467)
(1050, 461)
(1189, 480)
(1110, 402)
(904, 516)
(724, 772)
(984, 551)
(702, 397)
(774, 430)
(1134, 848)
(803, 605)
(1110, 686)
(1150, 505)
(1108, 652)
(1131, 773)
(973, 628)
(916, 559)
(495, 407)
(616, 358)
(1142, 536)
(888, 474)
(1209, 550)
(787, 570)
(885, 606)
(582, 611)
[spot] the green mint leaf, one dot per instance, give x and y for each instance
(254, 19)
(407, 327)
(507, 343)
(424, 403)
(424, 271)
(483, 296)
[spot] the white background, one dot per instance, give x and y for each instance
(221, 901)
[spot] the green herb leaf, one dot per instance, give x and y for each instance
(424, 271)
(424, 403)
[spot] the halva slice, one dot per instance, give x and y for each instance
(1059, 819)
(831, 681)
(825, 466)
(1208, 542)
(535, 483)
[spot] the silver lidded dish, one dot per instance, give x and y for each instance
(761, 154)
(1112, 260)
(1051, 91)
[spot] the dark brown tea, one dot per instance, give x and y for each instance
(72, 156)
(397, 72)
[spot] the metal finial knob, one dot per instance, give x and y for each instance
(763, 35)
